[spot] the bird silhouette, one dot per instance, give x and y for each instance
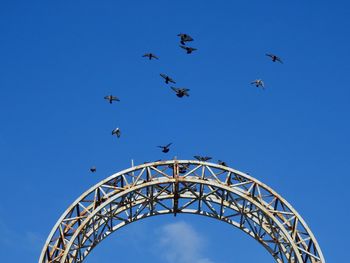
(93, 169)
(181, 92)
(116, 132)
(167, 78)
(274, 58)
(150, 56)
(258, 83)
(222, 163)
(165, 148)
(189, 50)
(184, 38)
(111, 98)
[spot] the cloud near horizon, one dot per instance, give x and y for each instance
(180, 243)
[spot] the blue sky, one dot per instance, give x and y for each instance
(58, 59)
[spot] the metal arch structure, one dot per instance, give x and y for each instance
(181, 186)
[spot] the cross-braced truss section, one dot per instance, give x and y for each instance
(181, 186)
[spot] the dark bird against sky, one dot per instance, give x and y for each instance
(150, 56)
(274, 58)
(184, 38)
(165, 148)
(258, 83)
(189, 50)
(111, 98)
(181, 92)
(167, 78)
(116, 132)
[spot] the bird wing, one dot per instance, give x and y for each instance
(279, 60)
(171, 80)
(155, 56)
(106, 97)
(197, 157)
(115, 131)
(115, 98)
(206, 158)
(163, 75)
(185, 92)
(184, 47)
(174, 89)
(269, 55)
(193, 49)
(168, 145)
(146, 55)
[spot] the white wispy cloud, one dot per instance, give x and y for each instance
(180, 243)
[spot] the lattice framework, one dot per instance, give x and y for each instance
(181, 186)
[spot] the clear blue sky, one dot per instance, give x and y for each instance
(58, 59)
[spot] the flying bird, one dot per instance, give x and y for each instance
(93, 169)
(165, 148)
(167, 78)
(150, 56)
(202, 158)
(116, 132)
(111, 98)
(181, 92)
(222, 163)
(274, 57)
(184, 38)
(189, 50)
(258, 83)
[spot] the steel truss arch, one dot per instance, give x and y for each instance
(181, 186)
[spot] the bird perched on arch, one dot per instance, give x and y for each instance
(222, 163)
(183, 168)
(111, 98)
(150, 56)
(167, 78)
(165, 148)
(184, 38)
(189, 50)
(93, 169)
(181, 92)
(258, 83)
(202, 158)
(274, 58)
(116, 132)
